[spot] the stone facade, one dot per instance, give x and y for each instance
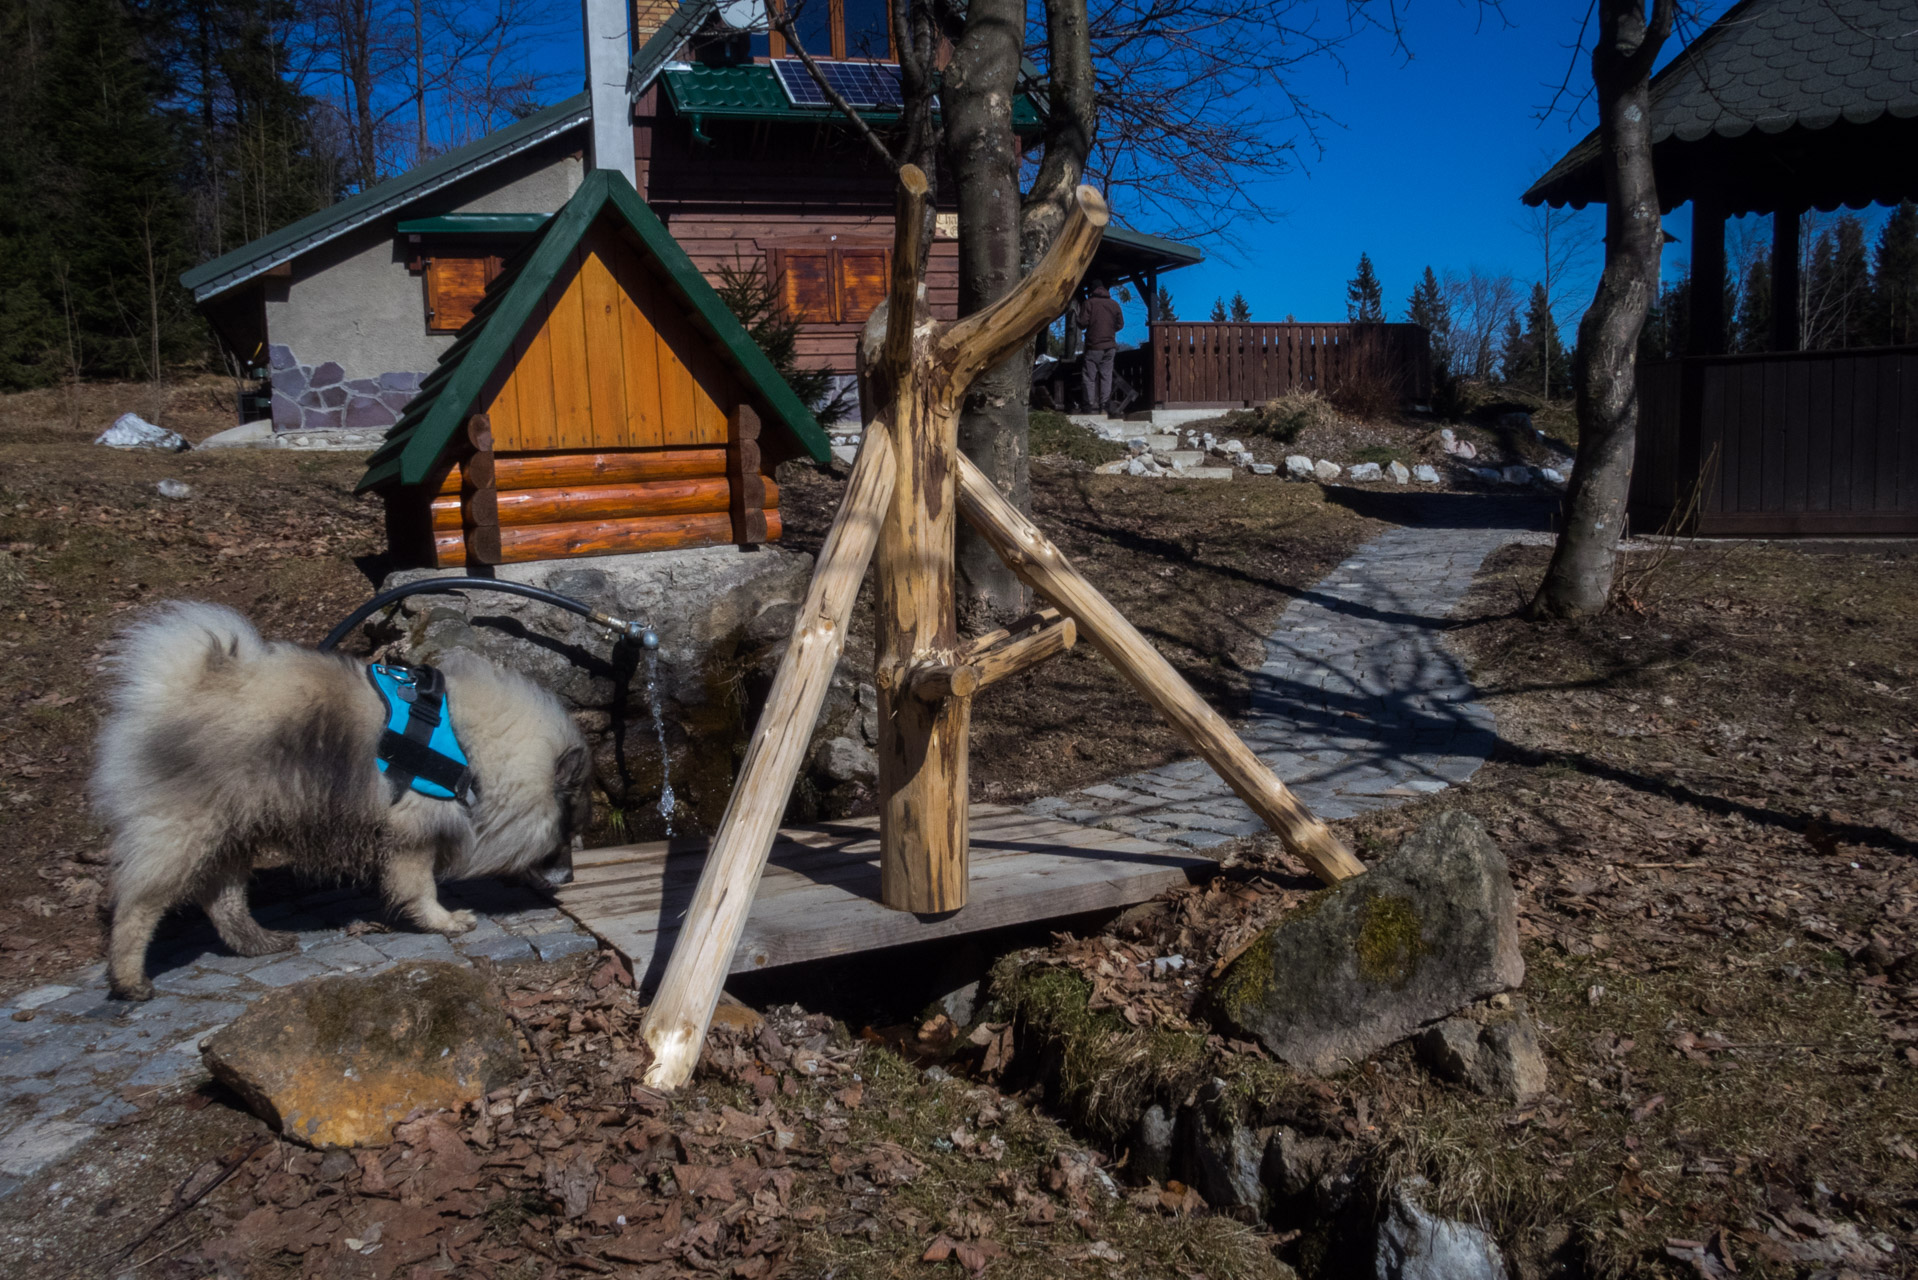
(320, 397)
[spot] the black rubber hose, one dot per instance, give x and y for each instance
(632, 630)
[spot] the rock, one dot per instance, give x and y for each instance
(338, 1061)
(1204, 473)
(723, 616)
(1162, 443)
(1227, 1156)
(1184, 458)
(131, 431)
(1511, 1065)
(1428, 930)
(1144, 465)
(1398, 472)
(178, 490)
(1152, 1144)
(248, 435)
(1490, 475)
(1261, 468)
(846, 453)
(1552, 476)
(1516, 475)
(844, 760)
(1298, 466)
(1363, 472)
(1326, 472)
(1415, 1245)
(1114, 468)
(1425, 473)
(1458, 448)
(1232, 446)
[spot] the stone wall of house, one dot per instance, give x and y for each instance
(320, 397)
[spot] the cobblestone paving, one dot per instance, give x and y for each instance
(1358, 707)
(80, 1061)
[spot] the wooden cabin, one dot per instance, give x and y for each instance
(601, 400)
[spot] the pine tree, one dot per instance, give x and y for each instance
(1428, 307)
(1751, 330)
(1895, 283)
(1515, 365)
(1364, 301)
(1218, 311)
(1162, 312)
(1241, 309)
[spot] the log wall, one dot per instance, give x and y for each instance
(558, 505)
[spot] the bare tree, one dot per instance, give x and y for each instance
(1625, 48)
(1480, 302)
(1566, 243)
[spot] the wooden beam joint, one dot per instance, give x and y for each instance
(1026, 644)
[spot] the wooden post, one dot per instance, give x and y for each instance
(747, 488)
(479, 494)
(1046, 570)
(925, 710)
(1784, 277)
(675, 1026)
(1705, 335)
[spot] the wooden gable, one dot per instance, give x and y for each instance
(609, 361)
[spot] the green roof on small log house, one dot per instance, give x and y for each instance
(450, 394)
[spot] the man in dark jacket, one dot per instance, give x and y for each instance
(1103, 320)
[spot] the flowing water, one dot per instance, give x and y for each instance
(666, 801)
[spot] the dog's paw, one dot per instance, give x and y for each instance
(141, 990)
(266, 942)
(458, 922)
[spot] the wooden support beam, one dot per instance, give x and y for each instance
(1010, 657)
(1045, 569)
(675, 1026)
(479, 499)
(748, 487)
(935, 681)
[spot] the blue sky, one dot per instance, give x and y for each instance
(1421, 162)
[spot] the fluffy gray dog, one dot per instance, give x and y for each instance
(222, 753)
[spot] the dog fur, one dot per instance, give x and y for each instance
(223, 752)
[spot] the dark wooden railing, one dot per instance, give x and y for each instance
(1233, 365)
(1809, 442)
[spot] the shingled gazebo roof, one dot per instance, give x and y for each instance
(1792, 102)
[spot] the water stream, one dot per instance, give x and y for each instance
(666, 801)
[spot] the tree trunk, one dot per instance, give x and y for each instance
(977, 93)
(1579, 579)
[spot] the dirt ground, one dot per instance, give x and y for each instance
(1708, 802)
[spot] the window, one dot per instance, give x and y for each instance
(831, 284)
(838, 29)
(456, 280)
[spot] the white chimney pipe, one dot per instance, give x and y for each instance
(609, 55)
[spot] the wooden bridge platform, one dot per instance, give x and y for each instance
(820, 895)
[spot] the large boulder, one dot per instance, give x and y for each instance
(337, 1062)
(1430, 929)
(723, 616)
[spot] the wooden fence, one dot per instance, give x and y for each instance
(1812, 442)
(1208, 366)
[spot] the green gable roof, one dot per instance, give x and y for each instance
(751, 91)
(437, 415)
(224, 272)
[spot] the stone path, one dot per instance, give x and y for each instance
(1360, 707)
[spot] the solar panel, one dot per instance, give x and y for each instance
(861, 84)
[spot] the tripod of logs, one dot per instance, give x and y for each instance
(909, 485)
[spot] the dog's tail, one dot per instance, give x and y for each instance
(163, 658)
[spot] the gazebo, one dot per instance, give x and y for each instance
(1778, 107)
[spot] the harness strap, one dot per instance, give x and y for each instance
(408, 755)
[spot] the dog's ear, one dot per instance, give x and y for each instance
(572, 765)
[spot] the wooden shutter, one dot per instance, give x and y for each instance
(862, 283)
(455, 282)
(806, 285)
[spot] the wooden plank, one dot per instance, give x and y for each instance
(1865, 441)
(1841, 433)
(522, 507)
(645, 427)
(531, 384)
(748, 492)
(1891, 440)
(620, 537)
(819, 895)
(1817, 434)
(546, 470)
(605, 349)
(1791, 380)
(1763, 387)
(572, 396)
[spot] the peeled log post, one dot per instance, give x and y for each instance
(1013, 656)
(925, 710)
(675, 1026)
(1046, 570)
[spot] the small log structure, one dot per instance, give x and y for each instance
(909, 486)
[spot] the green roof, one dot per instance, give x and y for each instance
(436, 416)
(753, 93)
(269, 251)
(475, 224)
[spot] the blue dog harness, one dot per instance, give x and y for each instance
(418, 749)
